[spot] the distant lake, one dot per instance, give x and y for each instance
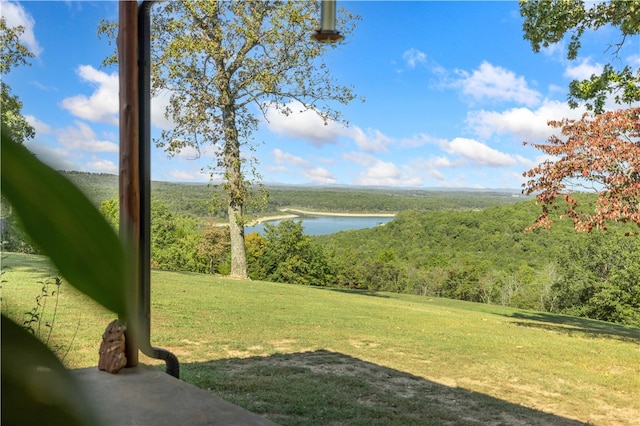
(323, 225)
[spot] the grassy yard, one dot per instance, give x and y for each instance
(301, 355)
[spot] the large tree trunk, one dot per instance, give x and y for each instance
(235, 194)
(238, 252)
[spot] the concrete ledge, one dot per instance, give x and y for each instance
(145, 396)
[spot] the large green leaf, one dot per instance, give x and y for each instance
(36, 388)
(66, 226)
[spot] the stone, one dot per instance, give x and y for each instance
(112, 348)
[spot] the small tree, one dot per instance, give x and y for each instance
(290, 256)
(599, 153)
(214, 243)
(13, 53)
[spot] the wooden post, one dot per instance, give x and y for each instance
(129, 181)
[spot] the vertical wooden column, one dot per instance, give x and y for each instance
(129, 180)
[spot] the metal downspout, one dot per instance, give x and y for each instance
(144, 87)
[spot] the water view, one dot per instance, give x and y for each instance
(323, 225)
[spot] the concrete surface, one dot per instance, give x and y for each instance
(144, 396)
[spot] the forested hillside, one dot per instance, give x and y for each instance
(203, 200)
(485, 256)
(467, 245)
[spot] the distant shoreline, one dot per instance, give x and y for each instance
(314, 213)
(296, 213)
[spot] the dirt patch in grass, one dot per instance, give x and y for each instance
(329, 388)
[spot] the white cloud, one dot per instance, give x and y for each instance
(191, 175)
(413, 57)
(436, 162)
(56, 158)
(320, 175)
(309, 126)
(478, 153)
(384, 173)
(303, 124)
(15, 15)
(100, 165)
(190, 152)
(522, 123)
(40, 127)
(103, 104)
(435, 174)
(557, 89)
(490, 82)
(159, 104)
(309, 170)
(281, 157)
(416, 141)
(555, 50)
(381, 173)
(372, 140)
(364, 160)
(584, 70)
(82, 137)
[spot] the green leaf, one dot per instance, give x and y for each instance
(65, 225)
(36, 388)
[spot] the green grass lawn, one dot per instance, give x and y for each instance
(301, 355)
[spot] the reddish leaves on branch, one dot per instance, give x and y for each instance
(598, 153)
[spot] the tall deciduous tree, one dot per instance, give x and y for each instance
(601, 151)
(12, 54)
(224, 64)
(548, 22)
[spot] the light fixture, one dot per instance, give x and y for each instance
(327, 32)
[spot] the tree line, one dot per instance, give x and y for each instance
(481, 256)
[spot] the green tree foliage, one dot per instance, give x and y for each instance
(12, 236)
(177, 244)
(174, 241)
(549, 22)
(601, 279)
(12, 54)
(484, 256)
(256, 248)
(214, 244)
(290, 256)
(224, 64)
(110, 209)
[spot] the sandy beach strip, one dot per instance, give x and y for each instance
(314, 213)
(271, 218)
(296, 213)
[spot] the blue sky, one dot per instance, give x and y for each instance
(451, 91)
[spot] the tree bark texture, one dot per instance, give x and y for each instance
(235, 193)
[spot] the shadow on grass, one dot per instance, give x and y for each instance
(575, 325)
(323, 387)
(25, 263)
(356, 292)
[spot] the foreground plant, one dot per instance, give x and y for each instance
(88, 254)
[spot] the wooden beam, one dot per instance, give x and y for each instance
(129, 182)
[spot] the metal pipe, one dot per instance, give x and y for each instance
(328, 16)
(144, 87)
(327, 32)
